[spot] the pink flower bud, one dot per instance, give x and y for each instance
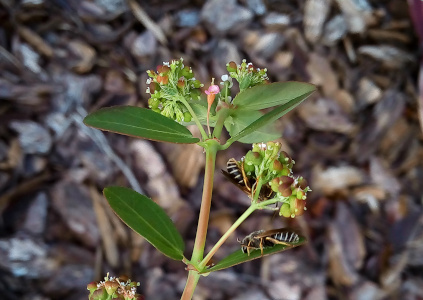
(213, 90)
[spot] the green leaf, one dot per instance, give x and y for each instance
(140, 122)
(268, 118)
(241, 119)
(273, 94)
(147, 218)
(200, 109)
(238, 257)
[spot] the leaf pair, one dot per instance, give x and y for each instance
(245, 122)
(284, 96)
(149, 220)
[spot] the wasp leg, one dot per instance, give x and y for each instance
(275, 241)
(248, 248)
(261, 246)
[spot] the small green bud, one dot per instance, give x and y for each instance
(153, 103)
(154, 86)
(285, 189)
(99, 294)
(284, 158)
(151, 73)
(276, 167)
(299, 193)
(111, 287)
(285, 172)
(187, 72)
(197, 83)
(195, 94)
(302, 183)
(92, 286)
(297, 206)
(157, 110)
(187, 117)
(274, 185)
(231, 66)
(253, 157)
(249, 168)
(285, 210)
(123, 278)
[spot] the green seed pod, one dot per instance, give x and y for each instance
(284, 158)
(285, 172)
(99, 294)
(302, 183)
(276, 167)
(297, 206)
(253, 157)
(257, 148)
(187, 72)
(92, 286)
(195, 94)
(154, 87)
(285, 210)
(231, 66)
(299, 193)
(153, 103)
(285, 189)
(187, 117)
(274, 184)
(197, 83)
(249, 168)
(111, 287)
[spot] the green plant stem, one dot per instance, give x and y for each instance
(223, 113)
(192, 281)
(211, 147)
(194, 117)
(234, 226)
(257, 189)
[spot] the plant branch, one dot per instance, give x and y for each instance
(211, 147)
(234, 226)
(194, 117)
(192, 281)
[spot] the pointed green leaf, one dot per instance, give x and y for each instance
(140, 122)
(241, 119)
(146, 218)
(273, 94)
(238, 257)
(268, 118)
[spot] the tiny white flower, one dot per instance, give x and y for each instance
(148, 81)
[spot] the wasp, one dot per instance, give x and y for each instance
(262, 239)
(236, 174)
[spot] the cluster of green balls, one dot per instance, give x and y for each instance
(246, 74)
(273, 167)
(167, 85)
(114, 288)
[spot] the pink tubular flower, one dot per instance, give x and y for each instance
(211, 94)
(213, 90)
